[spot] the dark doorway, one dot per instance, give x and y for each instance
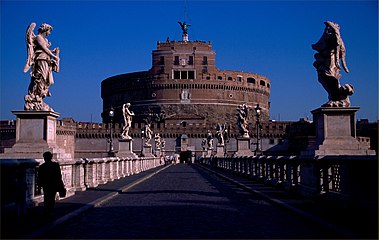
(185, 157)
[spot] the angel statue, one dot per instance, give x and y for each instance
(42, 61)
(209, 139)
(204, 144)
(184, 27)
(220, 133)
(127, 120)
(331, 50)
(163, 144)
(157, 140)
(242, 123)
(147, 134)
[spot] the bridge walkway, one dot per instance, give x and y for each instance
(185, 201)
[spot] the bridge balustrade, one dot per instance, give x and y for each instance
(78, 175)
(343, 179)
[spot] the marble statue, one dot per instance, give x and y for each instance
(147, 134)
(163, 144)
(220, 133)
(127, 120)
(242, 123)
(331, 54)
(157, 140)
(204, 143)
(42, 62)
(209, 139)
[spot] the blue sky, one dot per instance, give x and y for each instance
(99, 39)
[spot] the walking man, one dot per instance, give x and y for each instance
(50, 179)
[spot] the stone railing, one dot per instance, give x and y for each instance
(18, 176)
(346, 180)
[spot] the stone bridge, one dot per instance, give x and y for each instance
(242, 197)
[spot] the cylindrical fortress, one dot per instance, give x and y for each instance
(185, 83)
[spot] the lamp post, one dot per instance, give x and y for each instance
(258, 129)
(142, 134)
(111, 115)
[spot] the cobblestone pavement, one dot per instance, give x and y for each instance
(186, 201)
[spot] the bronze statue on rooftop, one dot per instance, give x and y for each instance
(184, 27)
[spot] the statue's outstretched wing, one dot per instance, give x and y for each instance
(30, 46)
(181, 25)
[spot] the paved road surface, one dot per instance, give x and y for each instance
(186, 201)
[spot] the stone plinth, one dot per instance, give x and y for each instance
(35, 134)
(147, 151)
(209, 152)
(158, 152)
(243, 147)
(336, 133)
(125, 147)
(220, 150)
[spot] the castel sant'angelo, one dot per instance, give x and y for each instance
(184, 98)
(185, 84)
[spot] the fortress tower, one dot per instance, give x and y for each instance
(184, 84)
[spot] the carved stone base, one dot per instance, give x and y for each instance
(243, 147)
(125, 149)
(147, 151)
(220, 151)
(158, 152)
(336, 133)
(35, 134)
(209, 152)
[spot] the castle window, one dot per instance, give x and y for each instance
(205, 69)
(176, 60)
(239, 78)
(251, 80)
(183, 75)
(268, 85)
(161, 61)
(205, 60)
(190, 60)
(176, 74)
(161, 71)
(262, 83)
(219, 77)
(230, 78)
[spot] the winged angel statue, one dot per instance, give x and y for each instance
(331, 50)
(42, 62)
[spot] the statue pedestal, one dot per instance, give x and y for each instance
(35, 134)
(158, 152)
(336, 133)
(125, 148)
(220, 150)
(243, 147)
(209, 152)
(147, 151)
(185, 37)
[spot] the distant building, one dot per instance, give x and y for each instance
(182, 96)
(184, 84)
